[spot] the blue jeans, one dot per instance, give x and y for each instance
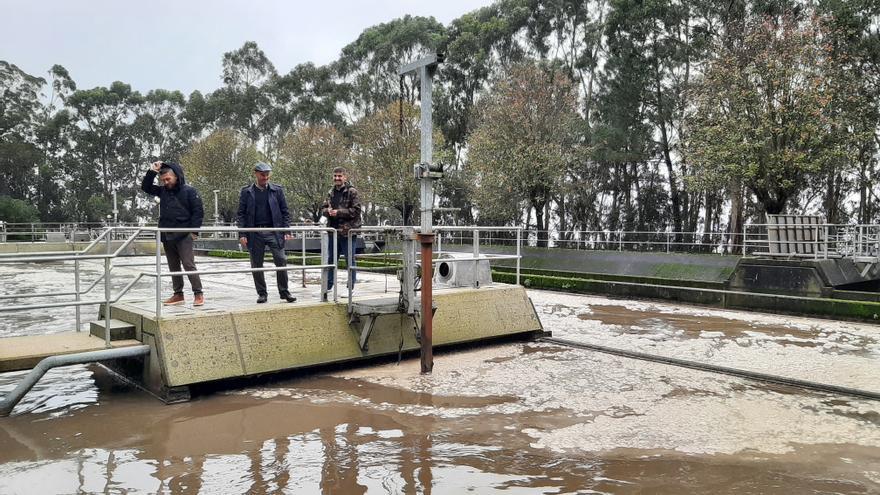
(341, 249)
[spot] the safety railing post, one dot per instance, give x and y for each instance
(107, 295)
(349, 260)
(76, 289)
(518, 256)
(158, 274)
(303, 253)
(335, 265)
(476, 252)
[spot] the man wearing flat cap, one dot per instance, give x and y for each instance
(262, 205)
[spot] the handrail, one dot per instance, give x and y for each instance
(72, 293)
(134, 233)
(9, 401)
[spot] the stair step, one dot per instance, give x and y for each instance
(119, 330)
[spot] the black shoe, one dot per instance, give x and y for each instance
(262, 298)
(288, 297)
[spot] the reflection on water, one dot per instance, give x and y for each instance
(111, 438)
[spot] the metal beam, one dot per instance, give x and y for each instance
(428, 61)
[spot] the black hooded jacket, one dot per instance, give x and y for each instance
(180, 207)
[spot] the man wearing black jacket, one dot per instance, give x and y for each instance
(262, 204)
(179, 207)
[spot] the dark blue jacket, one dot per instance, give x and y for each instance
(277, 209)
(180, 207)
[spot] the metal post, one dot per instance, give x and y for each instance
(826, 242)
(303, 250)
(76, 288)
(476, 253)
(107, 295)
(325, 272)
(348, 263)
(158, 274)
(427, 333)
(426, 68)
(335, 265)
(518, 256)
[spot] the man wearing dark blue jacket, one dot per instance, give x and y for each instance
(179, 207)
(262, 205)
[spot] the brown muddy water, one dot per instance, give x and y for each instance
(510, 418)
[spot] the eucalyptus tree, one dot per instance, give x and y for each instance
(767, 111)
(223, 161)
(385, 145)
(855, 44)
(21, 113)
(244, 102)
(524, 143)
(368, 66)
(308, 95)
(305, 166)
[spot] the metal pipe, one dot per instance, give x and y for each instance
(427, 333)
(13, 398)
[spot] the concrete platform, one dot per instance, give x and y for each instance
(21, 353)
(228, 338)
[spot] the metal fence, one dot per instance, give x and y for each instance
(113, 243)
(861, 242)
(611, 240)
(105, 242)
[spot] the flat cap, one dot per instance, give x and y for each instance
(262, 167)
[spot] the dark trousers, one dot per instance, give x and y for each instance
(341, 249)
(180, 252)
(257, 244)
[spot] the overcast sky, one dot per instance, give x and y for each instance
(180, 44)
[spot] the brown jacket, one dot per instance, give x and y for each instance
(348, 206)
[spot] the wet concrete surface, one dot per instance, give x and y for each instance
(510, 418)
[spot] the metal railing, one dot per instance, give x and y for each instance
(105, 250)
(615, 240)
(153, 234)
(861, 242)
(474, 235)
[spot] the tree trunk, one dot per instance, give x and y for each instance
(539, 222)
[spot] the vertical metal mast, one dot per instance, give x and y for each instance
(426, 172)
